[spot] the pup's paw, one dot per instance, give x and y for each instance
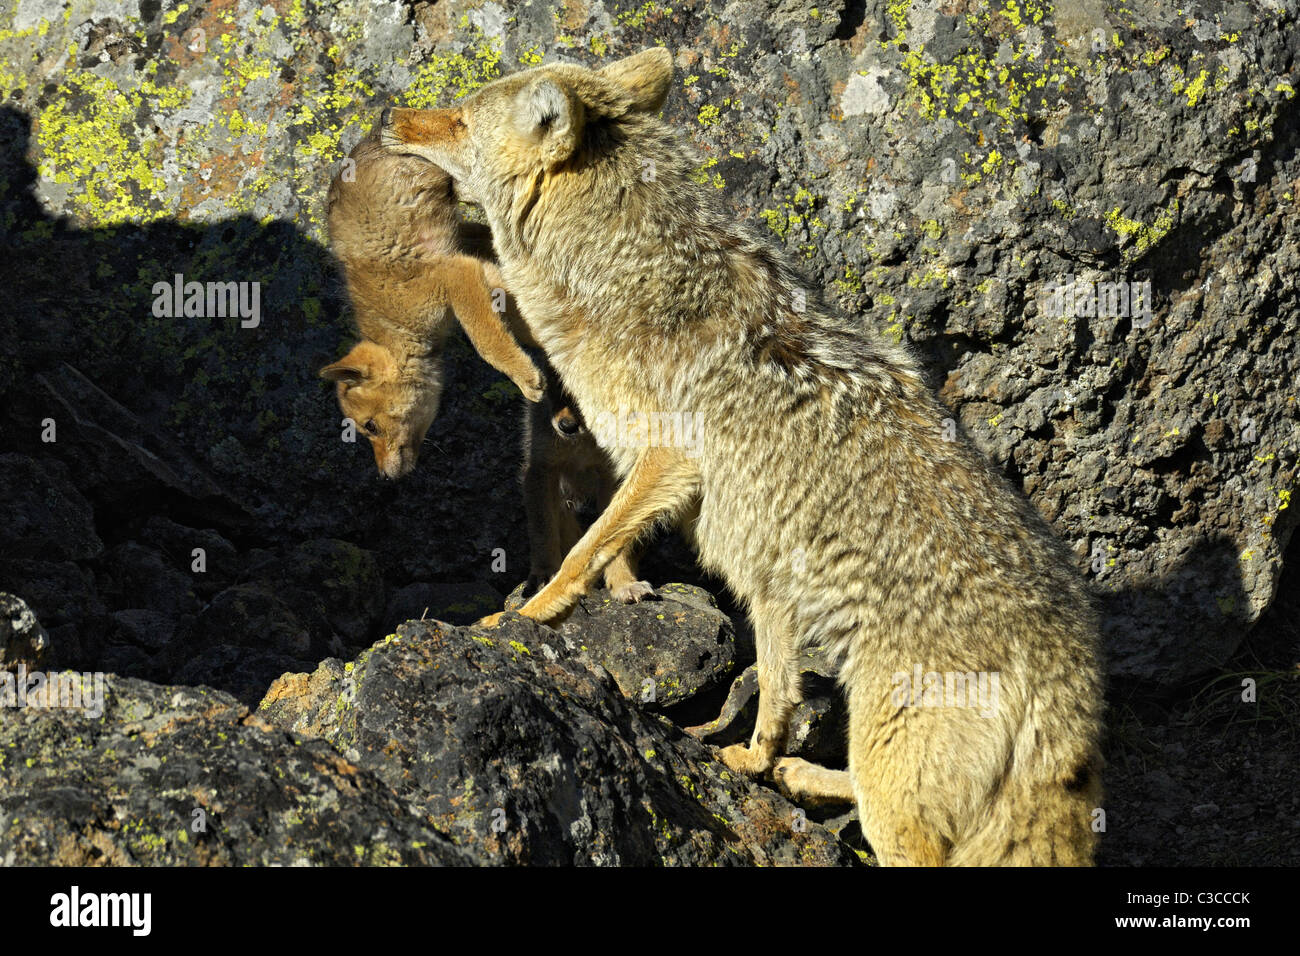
(531, 383)
(633, 592)
(742, 759)
(492, 620)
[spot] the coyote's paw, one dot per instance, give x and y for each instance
(745, 760)
(633, 592)
(804, 782)
(492, 620)
(531, 383)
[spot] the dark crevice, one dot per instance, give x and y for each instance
(855, 12)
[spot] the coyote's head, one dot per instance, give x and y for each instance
(500, 140)
(392, 403)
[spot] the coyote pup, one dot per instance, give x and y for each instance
(409, 263)
(822, 488)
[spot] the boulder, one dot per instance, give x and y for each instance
(178, 776)
(527, 757)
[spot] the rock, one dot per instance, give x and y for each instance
(143, 628)
(132, 575)
(45, 517)
(459, 603)
(243, 672)
(340, 580)
(256, 615)
(22, 639)
(217, 556)
(735, 721)
(64, 599)
(174, 776)
(817, 726)
(525, 759)
(248, 636)
(118, 456)
(661, 651)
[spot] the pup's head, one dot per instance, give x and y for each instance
(392, 402)
(503, 136)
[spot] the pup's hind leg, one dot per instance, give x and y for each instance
(471, 297)
(779, 692)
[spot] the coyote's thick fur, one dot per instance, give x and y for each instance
(824, 486)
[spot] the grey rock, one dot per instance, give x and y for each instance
(662, 651)
(525, 759)
(22, 639)
(177, 776)
(817, 726)
(455, 603)
(45, 517)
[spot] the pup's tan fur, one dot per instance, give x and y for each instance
(412, 266)
(823, 491)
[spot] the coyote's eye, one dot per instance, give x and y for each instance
(371, 427)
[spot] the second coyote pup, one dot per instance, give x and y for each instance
(822, 487)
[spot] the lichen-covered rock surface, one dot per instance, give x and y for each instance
(524, 755)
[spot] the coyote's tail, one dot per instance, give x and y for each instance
(1046, 822)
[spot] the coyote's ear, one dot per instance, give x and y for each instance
(549, 117)
(645, 75)
(341, 371)
(366, 360)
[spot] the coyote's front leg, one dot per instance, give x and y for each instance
(661, 483)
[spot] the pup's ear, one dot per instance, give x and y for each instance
(545, 114)
(341, 371)
(364, 361)
(645, 76)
